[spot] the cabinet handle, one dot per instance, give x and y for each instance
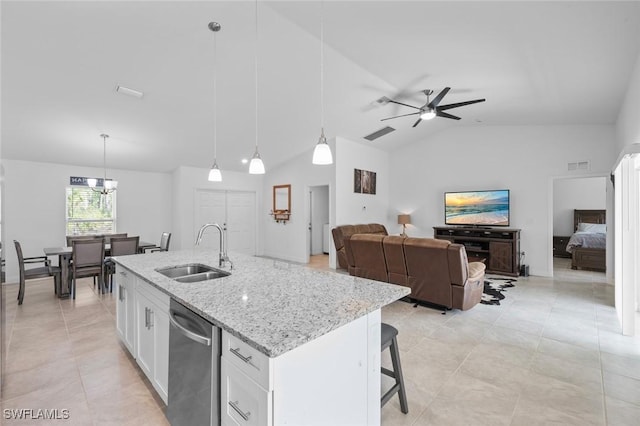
(146, 318)
(237, 353)
(150, 318)
(120, 293)
(234, 405)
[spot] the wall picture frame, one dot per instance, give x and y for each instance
(364, 181)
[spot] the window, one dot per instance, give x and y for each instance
(89, 212)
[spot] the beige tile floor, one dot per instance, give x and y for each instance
(551, 353)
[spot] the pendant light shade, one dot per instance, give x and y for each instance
(256, 167)
(322, 152)
(215, 175)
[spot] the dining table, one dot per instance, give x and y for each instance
(64, 256)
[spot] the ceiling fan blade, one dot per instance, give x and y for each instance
(398, 116)
(400, 103)
(446, 115)
(417, 122)
(459, 104)
(438, 98)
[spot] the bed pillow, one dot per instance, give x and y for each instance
(594, 228)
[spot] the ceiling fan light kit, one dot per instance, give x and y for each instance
(430, 109)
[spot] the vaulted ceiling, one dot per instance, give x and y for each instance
(536, 63)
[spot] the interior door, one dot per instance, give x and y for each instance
(241, 222)
(211, 207)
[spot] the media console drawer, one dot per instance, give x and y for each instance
(499, 248)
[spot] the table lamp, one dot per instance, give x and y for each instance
(404, 220)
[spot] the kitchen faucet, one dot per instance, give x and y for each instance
(223, 247)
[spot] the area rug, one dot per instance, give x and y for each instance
(493, 288)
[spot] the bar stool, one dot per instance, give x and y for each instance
(388, 335)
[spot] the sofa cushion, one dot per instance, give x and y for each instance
(368, 255)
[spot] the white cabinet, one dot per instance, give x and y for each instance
(334, 379)
(152, 318)
(125, 308)
(142, 321)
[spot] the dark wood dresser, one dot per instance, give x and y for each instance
(560, 246)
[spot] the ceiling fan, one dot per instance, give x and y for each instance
(431, 108)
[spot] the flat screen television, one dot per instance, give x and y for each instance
(477, 208)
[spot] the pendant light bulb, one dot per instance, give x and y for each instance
(256, 167)
(322, 152)
(214, 174)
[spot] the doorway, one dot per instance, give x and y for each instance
(570, 193)
(319, 226)
(234, 211)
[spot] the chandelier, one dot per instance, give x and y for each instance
(108, 186)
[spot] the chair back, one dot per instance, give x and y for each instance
(87, 252)
(72, 238)
(164, 241)
(124, 246)
(109, 237)
(20, 258)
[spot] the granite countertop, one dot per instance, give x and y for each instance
(274, 306)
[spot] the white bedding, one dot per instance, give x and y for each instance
(587, 240)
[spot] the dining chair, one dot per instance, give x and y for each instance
(40, 272)
(109, 237)
(165, 239)
(87, 260)
(119, 247)
(72, 238)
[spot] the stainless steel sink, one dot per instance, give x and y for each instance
(192, 272)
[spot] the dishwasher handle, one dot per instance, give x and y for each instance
(204, 340)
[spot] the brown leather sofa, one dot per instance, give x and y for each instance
(437, 271)
(342, 234)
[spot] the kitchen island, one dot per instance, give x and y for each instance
(312, 337)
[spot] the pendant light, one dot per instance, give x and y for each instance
(322, 152)
(215, 175)
(256, 167)
(108, 186)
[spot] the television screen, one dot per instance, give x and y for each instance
(478, 208)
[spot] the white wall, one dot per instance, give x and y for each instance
(290, 240)
(628, 123)
(35, 199)
(185, 182)
(520, 158)
(352, 208)
(576, 193)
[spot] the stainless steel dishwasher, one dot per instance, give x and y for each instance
(194, 369)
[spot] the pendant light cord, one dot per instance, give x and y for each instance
(322, 66)
(215, 96)
(104, 159)
(256, 73)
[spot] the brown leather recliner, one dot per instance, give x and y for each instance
(394, 255)
(439, 272)
(368, 257)
(342, 234)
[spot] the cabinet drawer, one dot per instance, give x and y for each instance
(242, 401)
(250, 361)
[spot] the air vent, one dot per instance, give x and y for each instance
(129, 92)
(578, 165)
(379, 133)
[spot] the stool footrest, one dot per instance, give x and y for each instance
(388, 372)
(387, 396)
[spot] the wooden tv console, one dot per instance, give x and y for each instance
(498, 248)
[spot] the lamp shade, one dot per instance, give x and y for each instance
(215, 175)
(404, 219)
(322, 153)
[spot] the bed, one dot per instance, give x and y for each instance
(588, 243)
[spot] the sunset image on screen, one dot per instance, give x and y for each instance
(477, 208)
